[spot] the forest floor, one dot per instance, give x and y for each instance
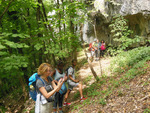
(131, 96)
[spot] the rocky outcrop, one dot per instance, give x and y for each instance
(132, 7)
(137, 12)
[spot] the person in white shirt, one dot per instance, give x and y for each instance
(72, 82)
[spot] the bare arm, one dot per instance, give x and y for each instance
(45, 93)
(49, 94)
(65, 78)
(73, 79)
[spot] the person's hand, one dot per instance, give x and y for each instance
(65, 78)
(59, 85)
(60, 81)
(76, 81)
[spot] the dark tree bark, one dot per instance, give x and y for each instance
(59, 16)
(74, 53)
(64, 26)
(38, 15)
(50, 29)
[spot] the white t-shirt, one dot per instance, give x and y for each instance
(71, 71)
(58, 75)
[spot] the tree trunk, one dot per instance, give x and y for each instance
(54, 60)
(64, 26)
(23, 88)
(39, 34)
(97, 38)
(59, 16)
(74, 53)
(89, 62)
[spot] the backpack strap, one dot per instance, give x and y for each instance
(42, 81)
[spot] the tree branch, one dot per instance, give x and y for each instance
(5, 10)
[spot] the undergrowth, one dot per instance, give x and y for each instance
(129, 64)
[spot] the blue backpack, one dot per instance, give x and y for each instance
(32, 85)
(63, 89)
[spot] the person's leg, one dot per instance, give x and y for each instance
(102, 53)
(96, 54)
(80, 89)
(81, 92)
(99, 53)
(66, 96)
(55, 102)
(60, 102)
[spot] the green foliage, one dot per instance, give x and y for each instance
(128, 59)
(76, 107)
(147, 110)
(77, 95)
(133, 64)
(102, 101)
(3, 109)
(122, 34)
(12, 61)
(29, 38)
(85, 81)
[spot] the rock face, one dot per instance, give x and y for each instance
(137, 12)
(131, 7)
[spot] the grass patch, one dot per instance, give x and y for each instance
(127, 60)
(87, 79)
(76, 95)
(129, 64)
(147, 110)
(102, 101)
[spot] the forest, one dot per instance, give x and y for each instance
(36, 31)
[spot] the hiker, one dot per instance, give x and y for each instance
(96, 48)
(99, 48)
(90, 46)
(58, 73)
(72, 82)
(103, 47)
(46, 88)
(91, 49)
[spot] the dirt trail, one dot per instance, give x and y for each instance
(84, 72)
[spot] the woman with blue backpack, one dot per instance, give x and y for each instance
(46, 89)
(58, 74)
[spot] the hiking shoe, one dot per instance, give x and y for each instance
(67, 104)
(82, 99)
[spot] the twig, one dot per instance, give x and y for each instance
(5, 10)
(144, 97)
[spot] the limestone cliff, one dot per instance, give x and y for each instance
(137, 12)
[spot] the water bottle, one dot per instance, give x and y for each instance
(32, 87)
